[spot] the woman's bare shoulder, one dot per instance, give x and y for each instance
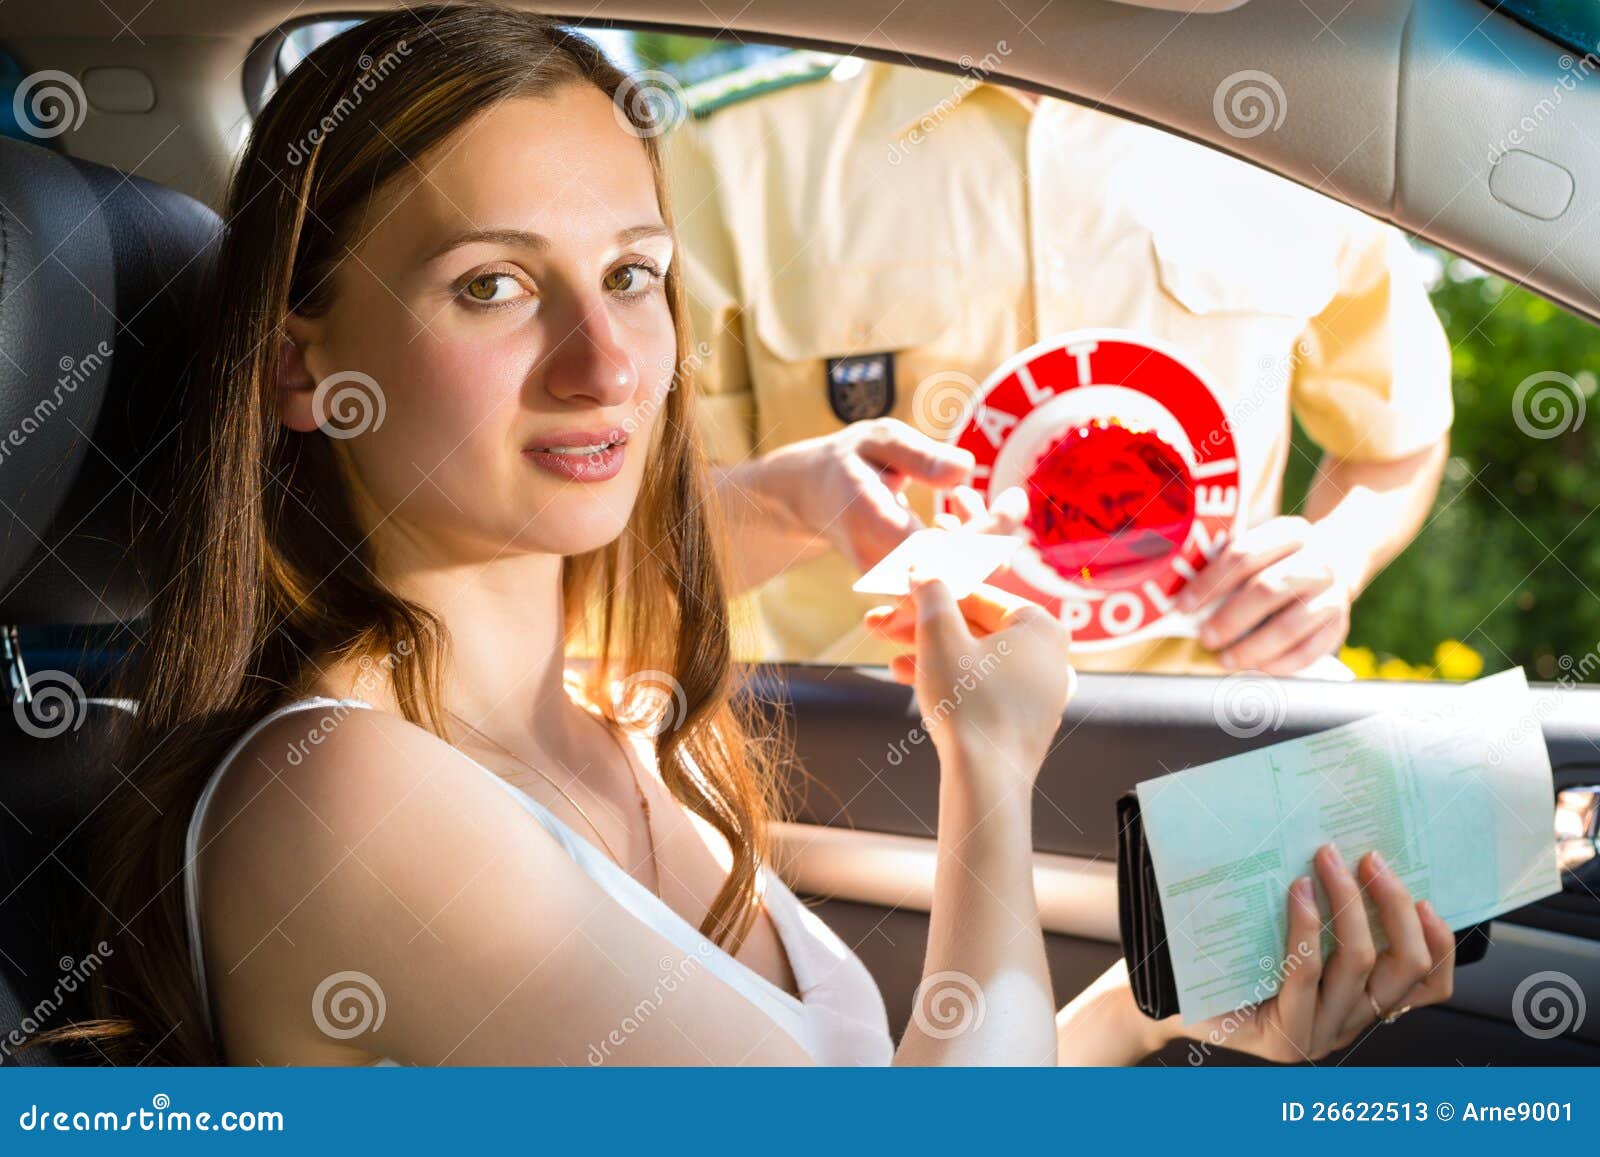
(335, 839)
(318, 785)
(338, 834)
(338, 760)
(364, 846)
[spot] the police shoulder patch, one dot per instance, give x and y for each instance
(861, 386)
(767, 76)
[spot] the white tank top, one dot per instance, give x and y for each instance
(841, 1019)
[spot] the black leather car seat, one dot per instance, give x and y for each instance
(100, 273)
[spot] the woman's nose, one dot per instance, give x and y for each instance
(588, 362)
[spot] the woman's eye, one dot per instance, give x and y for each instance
(632, 279)
(491, 288)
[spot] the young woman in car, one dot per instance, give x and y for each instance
(439, 426)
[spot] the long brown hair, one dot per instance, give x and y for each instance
(252, 587)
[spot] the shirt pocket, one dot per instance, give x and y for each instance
(1208, 275)
(808, 314)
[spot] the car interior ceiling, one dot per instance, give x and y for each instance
(1372, 135)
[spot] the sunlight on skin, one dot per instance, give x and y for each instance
(508, 342)
(490, 347)
(542, 346)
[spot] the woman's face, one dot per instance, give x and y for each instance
(507, 298)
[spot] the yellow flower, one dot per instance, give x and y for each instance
(1361, 660)
(1456, 660)
(1392, 668)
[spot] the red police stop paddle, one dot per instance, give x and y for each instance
(1132, 474)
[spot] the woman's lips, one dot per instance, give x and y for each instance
(583, 457)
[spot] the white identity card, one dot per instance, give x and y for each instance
(962, 558)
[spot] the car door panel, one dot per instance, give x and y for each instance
(861, 843)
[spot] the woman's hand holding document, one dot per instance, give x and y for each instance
(1458, 804)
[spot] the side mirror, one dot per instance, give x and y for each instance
(1578, 838)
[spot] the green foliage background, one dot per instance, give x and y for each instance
(1509, 560)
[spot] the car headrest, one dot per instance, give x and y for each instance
(100, 273)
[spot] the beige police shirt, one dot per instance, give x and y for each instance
(888, 209)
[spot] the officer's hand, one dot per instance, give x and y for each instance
(850, 487)
(1279, 596)
(1006, 516)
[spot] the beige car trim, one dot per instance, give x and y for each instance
(1405, 110)
(1077, 896)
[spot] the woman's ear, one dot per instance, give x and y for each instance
(296, 382)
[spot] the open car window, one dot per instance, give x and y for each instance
(863, 240)
(1574, 24)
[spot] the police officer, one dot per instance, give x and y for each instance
(853, 231)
